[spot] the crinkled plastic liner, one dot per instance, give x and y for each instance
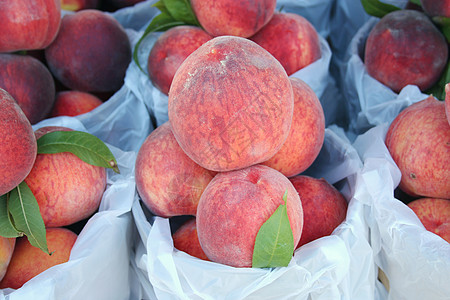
(98, 267)
(415, 261)
(339, 266)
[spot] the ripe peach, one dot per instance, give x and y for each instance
(6, 251)
(324, 207)
(18, 146)
(168, 181)
(436, 8)
(74, 103)
(66, 188)
(230, 104)
(292, 39)
(434, 214)
(230, 17)
(418, 140)
(170, 50)
(28, 261)
(185, 239)
(91, 52)
(403, 48)
(30, 83)
(447, 102)
(28, 24)
(307, 134)
(233, 208)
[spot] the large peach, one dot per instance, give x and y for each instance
(235, 205)
(435, 8)
(231, 17)
(324, 207)
(18, 146)
(66, 188)
(170, 50)
(185, 239)
(307, 134)
(30, 83)
(91, 52)
(28, 24)
(292, 39)
(168, 181)
(28, 261)
(74, 103)
(434, 214)
(418, 140)
(230, 104)
(403, 48)
(6, 251)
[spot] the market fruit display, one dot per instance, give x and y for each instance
(18, 146)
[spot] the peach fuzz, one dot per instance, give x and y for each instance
(30, 83)
(185, 239)
(28, 261)
(18, 148)
(170, 50)
(434, 214)
(74, 103)
(235, 205)
(28, 24)
(230, 17)
(6, 251)
(230, 104)
(168, 181)
(66, 188)
(91, 52)
(307, 134)
(418, 140)
(291, 39)
(324, 207)
(403, 48)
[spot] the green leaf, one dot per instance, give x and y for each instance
(438, 90)
(416, 2)
(274, 244)
(86, 146)
(377, 8)
(7, 228)
(181, 10)
(27, 218)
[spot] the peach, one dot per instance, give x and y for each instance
(292, 39)
(403, 48)
(6, 251)
(76, 5)
(28, 24)
(185, 239)
(307, 134)
(447, 102)
(324, 207)
(170, 50)
(418, 140)
(74, 103)
(230, 104)
(91, 52)
(30, 83)
(435, 8)
(434, 214)
(235, 205)
(66, 188)
(18, 146)
(168, 181)
(28, 261)
(230, 17)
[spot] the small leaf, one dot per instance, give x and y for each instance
(27, 218)
(7, 228)
(416, 2)
(274, 244)
(377, 8)
(181, 10)
(438, 90)
(86, 146)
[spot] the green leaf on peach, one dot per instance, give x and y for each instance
(274, 244)
(377, 8)
(181, 10)
(27, 218)
(7, 228)
(86, 146)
